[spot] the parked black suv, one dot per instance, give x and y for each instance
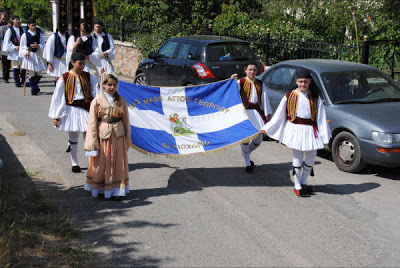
(194, 60)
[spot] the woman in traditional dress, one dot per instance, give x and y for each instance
(300, 123)
(107, 141)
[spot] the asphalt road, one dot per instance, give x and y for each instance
(205, 211)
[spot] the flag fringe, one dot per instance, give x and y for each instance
(180, 156)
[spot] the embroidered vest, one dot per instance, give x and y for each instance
(14, 38)
(86, 47)
(59, 48)
(30, 39)
(292, 102)
(70, 86)
(245, 90)
(106, 42)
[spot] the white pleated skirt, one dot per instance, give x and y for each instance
(301, 137)
(59, 67)
(75, 120)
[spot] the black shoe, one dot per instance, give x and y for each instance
(6, 81)
(249, 169)
(307, 188)
(18, 85)
(34, 93)
(75, 169)
(116, 198)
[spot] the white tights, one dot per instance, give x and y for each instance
(73, 143)
(247, 148)
(300, 176)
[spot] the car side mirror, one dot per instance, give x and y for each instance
(190, 56)
(152, 55)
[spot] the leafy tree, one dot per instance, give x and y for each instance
(25, 9)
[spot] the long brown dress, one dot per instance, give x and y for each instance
(108, 172)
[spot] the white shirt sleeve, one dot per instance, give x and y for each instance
(94, 86)
(322, 123)
(7, 44)
(48, 51)
(57, 105)
(70, 46)
(265, 104)
(23, 49)
(111, 51)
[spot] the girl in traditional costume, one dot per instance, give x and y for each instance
(107, 141)
(300, 123)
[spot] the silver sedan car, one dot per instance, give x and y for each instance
(362, 106)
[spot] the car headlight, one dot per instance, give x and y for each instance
(385, 137)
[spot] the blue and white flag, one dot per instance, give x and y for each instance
(186, 120)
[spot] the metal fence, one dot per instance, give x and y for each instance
(383, 54)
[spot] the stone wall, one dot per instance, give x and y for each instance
(127, 58)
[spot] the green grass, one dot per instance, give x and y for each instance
(35, 233)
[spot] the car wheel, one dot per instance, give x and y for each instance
(141, 79)
(346, 153)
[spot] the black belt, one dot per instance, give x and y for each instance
(110, 120)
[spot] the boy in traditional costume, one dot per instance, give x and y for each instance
(55, 53)
(107, 141)
(255, 99)
(32, 44)
(86, 44)
(70, 104)
(11, 44)
(300, 123)
(105, 51)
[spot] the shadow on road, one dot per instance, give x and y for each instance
(95, 216)
(107, 222)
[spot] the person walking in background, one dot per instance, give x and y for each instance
(32, 44)
(55, 53)
(11, 45)
(107, 141)
(6, 63)
(70, 104)
(105, 51)
(300, 123)
(86, 44)
(255, 99)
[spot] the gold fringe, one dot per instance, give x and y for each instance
(291, 105)
(180, 156)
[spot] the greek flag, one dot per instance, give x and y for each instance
(186, 120)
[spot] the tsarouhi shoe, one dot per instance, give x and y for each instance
(249, 169)
(301, 192)
(309, 189)
(76, 169)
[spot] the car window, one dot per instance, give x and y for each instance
(229, 52)
(280, 79)
(194, 53)
(360, 86)
(184, 51)
(168, 50)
